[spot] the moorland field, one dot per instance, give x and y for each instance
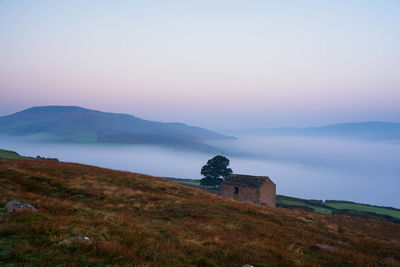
(139, 220)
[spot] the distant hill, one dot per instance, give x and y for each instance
(373, 130)
(9, 154)
(80, 125)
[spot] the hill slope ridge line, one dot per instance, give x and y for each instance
(81, 125)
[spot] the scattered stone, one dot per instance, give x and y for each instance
(247, 265)
(76, 239)
(18, 206)
(327, 248)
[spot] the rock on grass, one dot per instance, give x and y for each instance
(18, 206)
(76, 239)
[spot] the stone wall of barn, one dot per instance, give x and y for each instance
(268, 194)
(245, 193)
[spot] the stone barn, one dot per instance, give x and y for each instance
(256, 189)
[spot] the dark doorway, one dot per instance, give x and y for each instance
(236, 190)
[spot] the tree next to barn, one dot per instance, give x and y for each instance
(215, 171)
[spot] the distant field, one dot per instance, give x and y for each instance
(317, 205)
(363, 207)
(191, 182)
(8, 154)
(301, 202)
(335, 205)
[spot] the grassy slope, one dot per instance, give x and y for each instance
(8, 154)
(144, 221)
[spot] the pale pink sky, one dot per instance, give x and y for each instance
(217, 64)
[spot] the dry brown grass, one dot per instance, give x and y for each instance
(140, 220)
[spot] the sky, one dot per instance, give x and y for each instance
(216, 64)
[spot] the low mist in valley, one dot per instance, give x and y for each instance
(306, 167)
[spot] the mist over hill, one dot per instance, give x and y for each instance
(370, 130)
(71, 124)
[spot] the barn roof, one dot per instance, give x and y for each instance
(246, 180)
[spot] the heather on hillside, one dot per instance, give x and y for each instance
(141, 220)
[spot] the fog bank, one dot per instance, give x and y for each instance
(366, 172)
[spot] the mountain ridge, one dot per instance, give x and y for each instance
(370, 130)
(81, 125)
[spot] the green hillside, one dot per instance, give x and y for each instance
(71, 124)
(363, 207)
(8, 154)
